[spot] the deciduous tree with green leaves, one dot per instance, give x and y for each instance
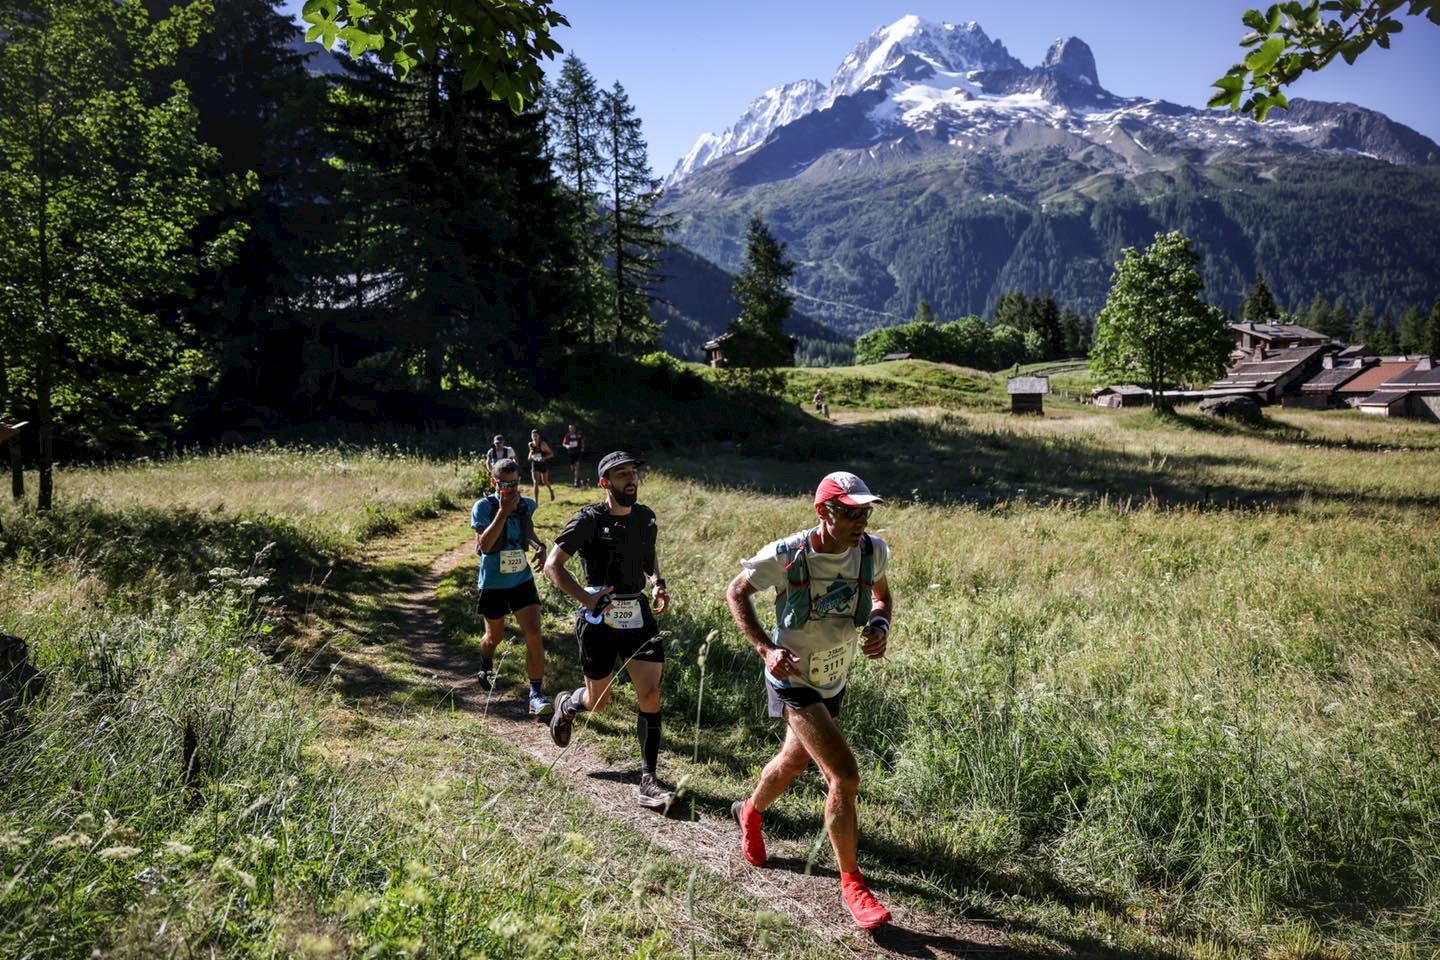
(496, 44)
(102, 180)
(1291, 39)
(1156, 327)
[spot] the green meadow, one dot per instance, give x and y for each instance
(1158, 687)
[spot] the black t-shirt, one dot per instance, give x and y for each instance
(615, 551)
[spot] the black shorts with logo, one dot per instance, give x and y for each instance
(496, 602)
(602, 645)
(798, 698)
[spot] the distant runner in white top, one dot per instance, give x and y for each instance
(829, 583)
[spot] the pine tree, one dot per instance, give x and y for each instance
(758, 339)
(574, 119)
(636, 233)
(1384, 342)
(1260, 306)
(1362, 329)
(262, 109)
(1432, 332)
(924, 313)
(1340, 321)
(1320, 318)
(1413, 331)
(1049, 327)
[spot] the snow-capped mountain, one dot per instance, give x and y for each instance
(934, 165)
(950, 83)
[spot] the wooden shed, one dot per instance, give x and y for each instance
(1027, 394)
(1120, 395)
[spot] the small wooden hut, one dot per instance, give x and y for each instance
(1027, 394)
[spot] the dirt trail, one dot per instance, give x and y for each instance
(712, 842)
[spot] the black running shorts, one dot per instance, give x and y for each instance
(798, 698)
(496, 603)
(602, 645)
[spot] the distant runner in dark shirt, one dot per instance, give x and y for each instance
(574, 444)
(615, 540)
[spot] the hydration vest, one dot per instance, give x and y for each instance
(792, 606)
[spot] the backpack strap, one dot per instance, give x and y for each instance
(866, 583)
(792, 605)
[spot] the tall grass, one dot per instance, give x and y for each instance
(1222, 715)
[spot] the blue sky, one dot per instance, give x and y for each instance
(691, 67)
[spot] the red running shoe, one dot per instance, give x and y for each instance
(752, 842)
(868, 912)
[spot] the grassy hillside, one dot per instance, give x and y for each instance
(1158, 687)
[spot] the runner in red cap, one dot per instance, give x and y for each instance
(829, 582)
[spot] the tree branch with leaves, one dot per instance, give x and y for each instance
(497, 44)
(1292, 39)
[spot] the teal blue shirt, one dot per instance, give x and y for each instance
(513, 538)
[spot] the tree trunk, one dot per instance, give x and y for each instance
(43, 387)
(17, 471)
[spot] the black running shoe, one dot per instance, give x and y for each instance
(654, 792)
(486, 680)
(562, 721)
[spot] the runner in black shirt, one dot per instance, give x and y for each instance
(615, 540)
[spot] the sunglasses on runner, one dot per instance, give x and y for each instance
(506, 484)
(838, 509)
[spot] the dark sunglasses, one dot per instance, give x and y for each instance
(507, 484)
(849, 513)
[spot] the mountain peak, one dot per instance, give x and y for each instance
(1072, 57)
(949, 47)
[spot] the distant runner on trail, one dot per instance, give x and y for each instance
(504, 528)
(540, 455)
(574, 444)
(828, 581)
(616, 543)
(498, 451)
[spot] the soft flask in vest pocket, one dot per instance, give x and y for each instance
(792, 606)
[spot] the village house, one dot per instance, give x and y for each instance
(1251, 336)
(1370, 380)
(1319, 392)
(1265, 374)
(1412, 393)
(715, 350)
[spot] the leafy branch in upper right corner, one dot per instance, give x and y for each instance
(1292, 39)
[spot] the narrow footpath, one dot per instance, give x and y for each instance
(712, 843)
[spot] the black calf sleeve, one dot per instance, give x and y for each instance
(647, 729)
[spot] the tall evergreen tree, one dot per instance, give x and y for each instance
(1384, 342)
(1049, 327)
(575, 124)
(1362, 328)
(1432, 332)
(1340, 321)
(924, 313)
(262, 109)
(1413, 331)
(1260, 306)
(758, 338)
(636, 233)
(1320, 318)
(453, 254)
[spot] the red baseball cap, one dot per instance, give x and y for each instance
(847, 488)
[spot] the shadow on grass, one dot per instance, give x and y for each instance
(954, 462)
